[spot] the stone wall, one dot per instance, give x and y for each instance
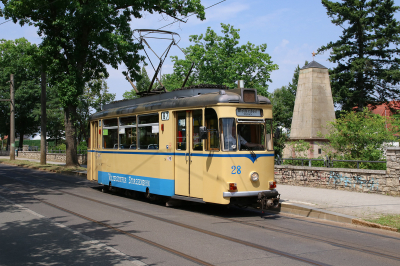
(360, 180)
(52, 157)
(4, 153)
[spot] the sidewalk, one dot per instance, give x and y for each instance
(360, 205)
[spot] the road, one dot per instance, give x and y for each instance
(52, 219)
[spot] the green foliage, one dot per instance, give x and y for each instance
(94, 97)
(221, 60)
(279, 143)
(82, 145)
(80, 38)
(28, 142)
(19, 57)
(141, 85)
(299, 148)
(367, 52)
(360, 136)
(392, 220)
(62, 147)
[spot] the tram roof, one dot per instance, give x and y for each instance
(191, 98)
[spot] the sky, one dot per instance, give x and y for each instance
(292, 30)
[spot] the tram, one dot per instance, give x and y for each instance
(206, 144)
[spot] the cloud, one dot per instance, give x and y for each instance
(281, 46)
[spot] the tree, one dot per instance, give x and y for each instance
(367, 53)
(18, 57)
(94, 97)
(220, 60)
(79, 38)
(361, 135)
(142, 84)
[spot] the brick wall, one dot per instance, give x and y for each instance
(368, 181)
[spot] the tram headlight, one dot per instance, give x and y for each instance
(254, 176)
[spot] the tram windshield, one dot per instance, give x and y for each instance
(251, 137)
(245, 136)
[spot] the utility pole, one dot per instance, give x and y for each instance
(43, 120)
(12, 118)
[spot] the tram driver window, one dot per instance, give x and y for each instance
(211, 118)
(110, 133)
(148, 132)
(127, 132)
(251, 137)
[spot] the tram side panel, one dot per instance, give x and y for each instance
(141, 169)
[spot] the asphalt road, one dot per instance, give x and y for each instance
(51, 219)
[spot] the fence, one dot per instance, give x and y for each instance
(328, 162)
(34, 148)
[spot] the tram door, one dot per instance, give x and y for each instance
(188, 168)
(94, 147)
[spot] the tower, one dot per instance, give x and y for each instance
(313, 107)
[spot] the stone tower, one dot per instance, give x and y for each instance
(313, 107)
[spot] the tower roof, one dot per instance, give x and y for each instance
(313, 64)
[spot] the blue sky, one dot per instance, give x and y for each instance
(292, 30)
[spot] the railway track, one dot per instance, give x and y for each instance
(246, 243)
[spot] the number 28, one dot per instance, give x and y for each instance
(236, 170)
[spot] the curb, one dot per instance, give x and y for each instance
(306, 211)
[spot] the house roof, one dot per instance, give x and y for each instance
(385, 109)
(314, 64)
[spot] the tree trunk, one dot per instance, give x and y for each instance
(70, 137)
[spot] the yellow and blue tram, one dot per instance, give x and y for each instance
(206, 144)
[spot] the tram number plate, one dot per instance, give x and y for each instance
(248, 112)
(164, 116)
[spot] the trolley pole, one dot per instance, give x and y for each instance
(12, 118)
(43, 120)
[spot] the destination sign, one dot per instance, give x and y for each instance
(248, 112)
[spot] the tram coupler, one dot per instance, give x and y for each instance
(269, 199)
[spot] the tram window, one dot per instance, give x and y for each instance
(148, 131)
(228, 131)
(211, 118)
(269, 139)
(181, 131)
(251, 137)
(127, 132)
(197, 123)
(110, 133)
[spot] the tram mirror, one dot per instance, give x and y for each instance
(277, 133)
(203, 132)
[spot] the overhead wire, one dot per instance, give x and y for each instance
(191, 14)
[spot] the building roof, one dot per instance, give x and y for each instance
(385, 109)
(314, 64)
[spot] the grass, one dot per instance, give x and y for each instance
(388, 220)
(48, 167)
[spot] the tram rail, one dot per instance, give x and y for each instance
(269, 228)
